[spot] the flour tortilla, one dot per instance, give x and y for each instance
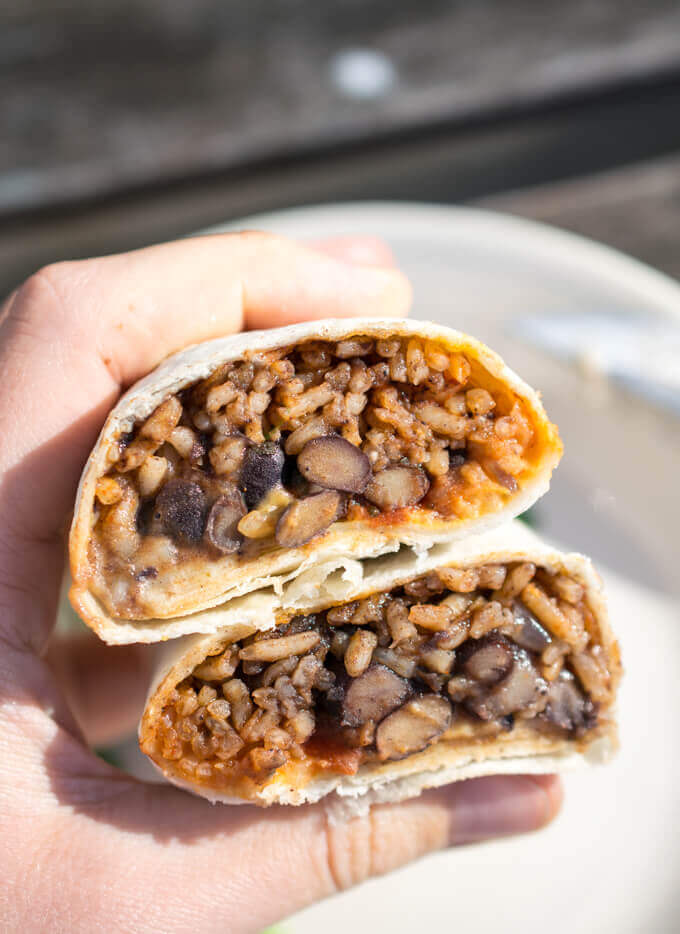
(441, 763)
(277, 567)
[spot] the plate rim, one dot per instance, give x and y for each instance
(543, 241)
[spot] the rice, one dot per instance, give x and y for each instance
(256, 705)
(402, 402)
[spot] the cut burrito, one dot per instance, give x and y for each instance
(488, 656)
(244, 460)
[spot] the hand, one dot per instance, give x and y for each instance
(84, 846)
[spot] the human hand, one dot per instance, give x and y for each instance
(85, 846)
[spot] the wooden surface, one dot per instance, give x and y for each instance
(636, 209)
(450, 167)
(113, 95)
(126, 122)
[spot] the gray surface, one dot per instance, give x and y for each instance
(636, 209)
(98, 97)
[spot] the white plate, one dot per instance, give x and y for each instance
(610, 862)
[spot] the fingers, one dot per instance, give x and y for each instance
(254, 868)
(105, 686)
(74, 333)
(500, 806)
(138, 307)
(359, 251)
(180, 863)
(465, 812)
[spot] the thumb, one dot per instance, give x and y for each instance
(285, 859)
(178, 854)
(391, 835)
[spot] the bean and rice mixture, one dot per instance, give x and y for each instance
(456, 654)
(271, 451)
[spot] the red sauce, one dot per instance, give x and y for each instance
(331, 755)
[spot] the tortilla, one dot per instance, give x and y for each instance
(484, 734)
(447, 449)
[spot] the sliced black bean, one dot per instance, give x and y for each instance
(413, 727)
(181, 508)
(338, 672)
(567, 706)
(221, 529)
(306, 518)
(373, 695)
(262, 469)
(487, 660)
(520, 688)
(528, 632)
(397, 487)
(334, 463)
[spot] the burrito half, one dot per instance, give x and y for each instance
(491, 656)
(252, 457)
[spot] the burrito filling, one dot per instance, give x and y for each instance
(457, 656)
(268, 453)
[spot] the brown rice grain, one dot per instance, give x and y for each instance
(359, 652)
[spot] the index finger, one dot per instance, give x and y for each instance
(76, 332)
(136, 308)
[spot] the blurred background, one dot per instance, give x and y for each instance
(126, 122)
(123, 122)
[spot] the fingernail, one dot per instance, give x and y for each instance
(368, 251)
(357, 250)
(501, 805)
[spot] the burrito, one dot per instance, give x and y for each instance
(244, 460)
(489, 656)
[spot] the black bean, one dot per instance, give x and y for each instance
(413, 727)
(567, 707)
(519, 689)
(373, 695)
(487, 660)
(307, 518)
(261, 470)
(396, 487)
(146, 519)
(528, 632)
(221, 529)
(334, 463)
(181, 508)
